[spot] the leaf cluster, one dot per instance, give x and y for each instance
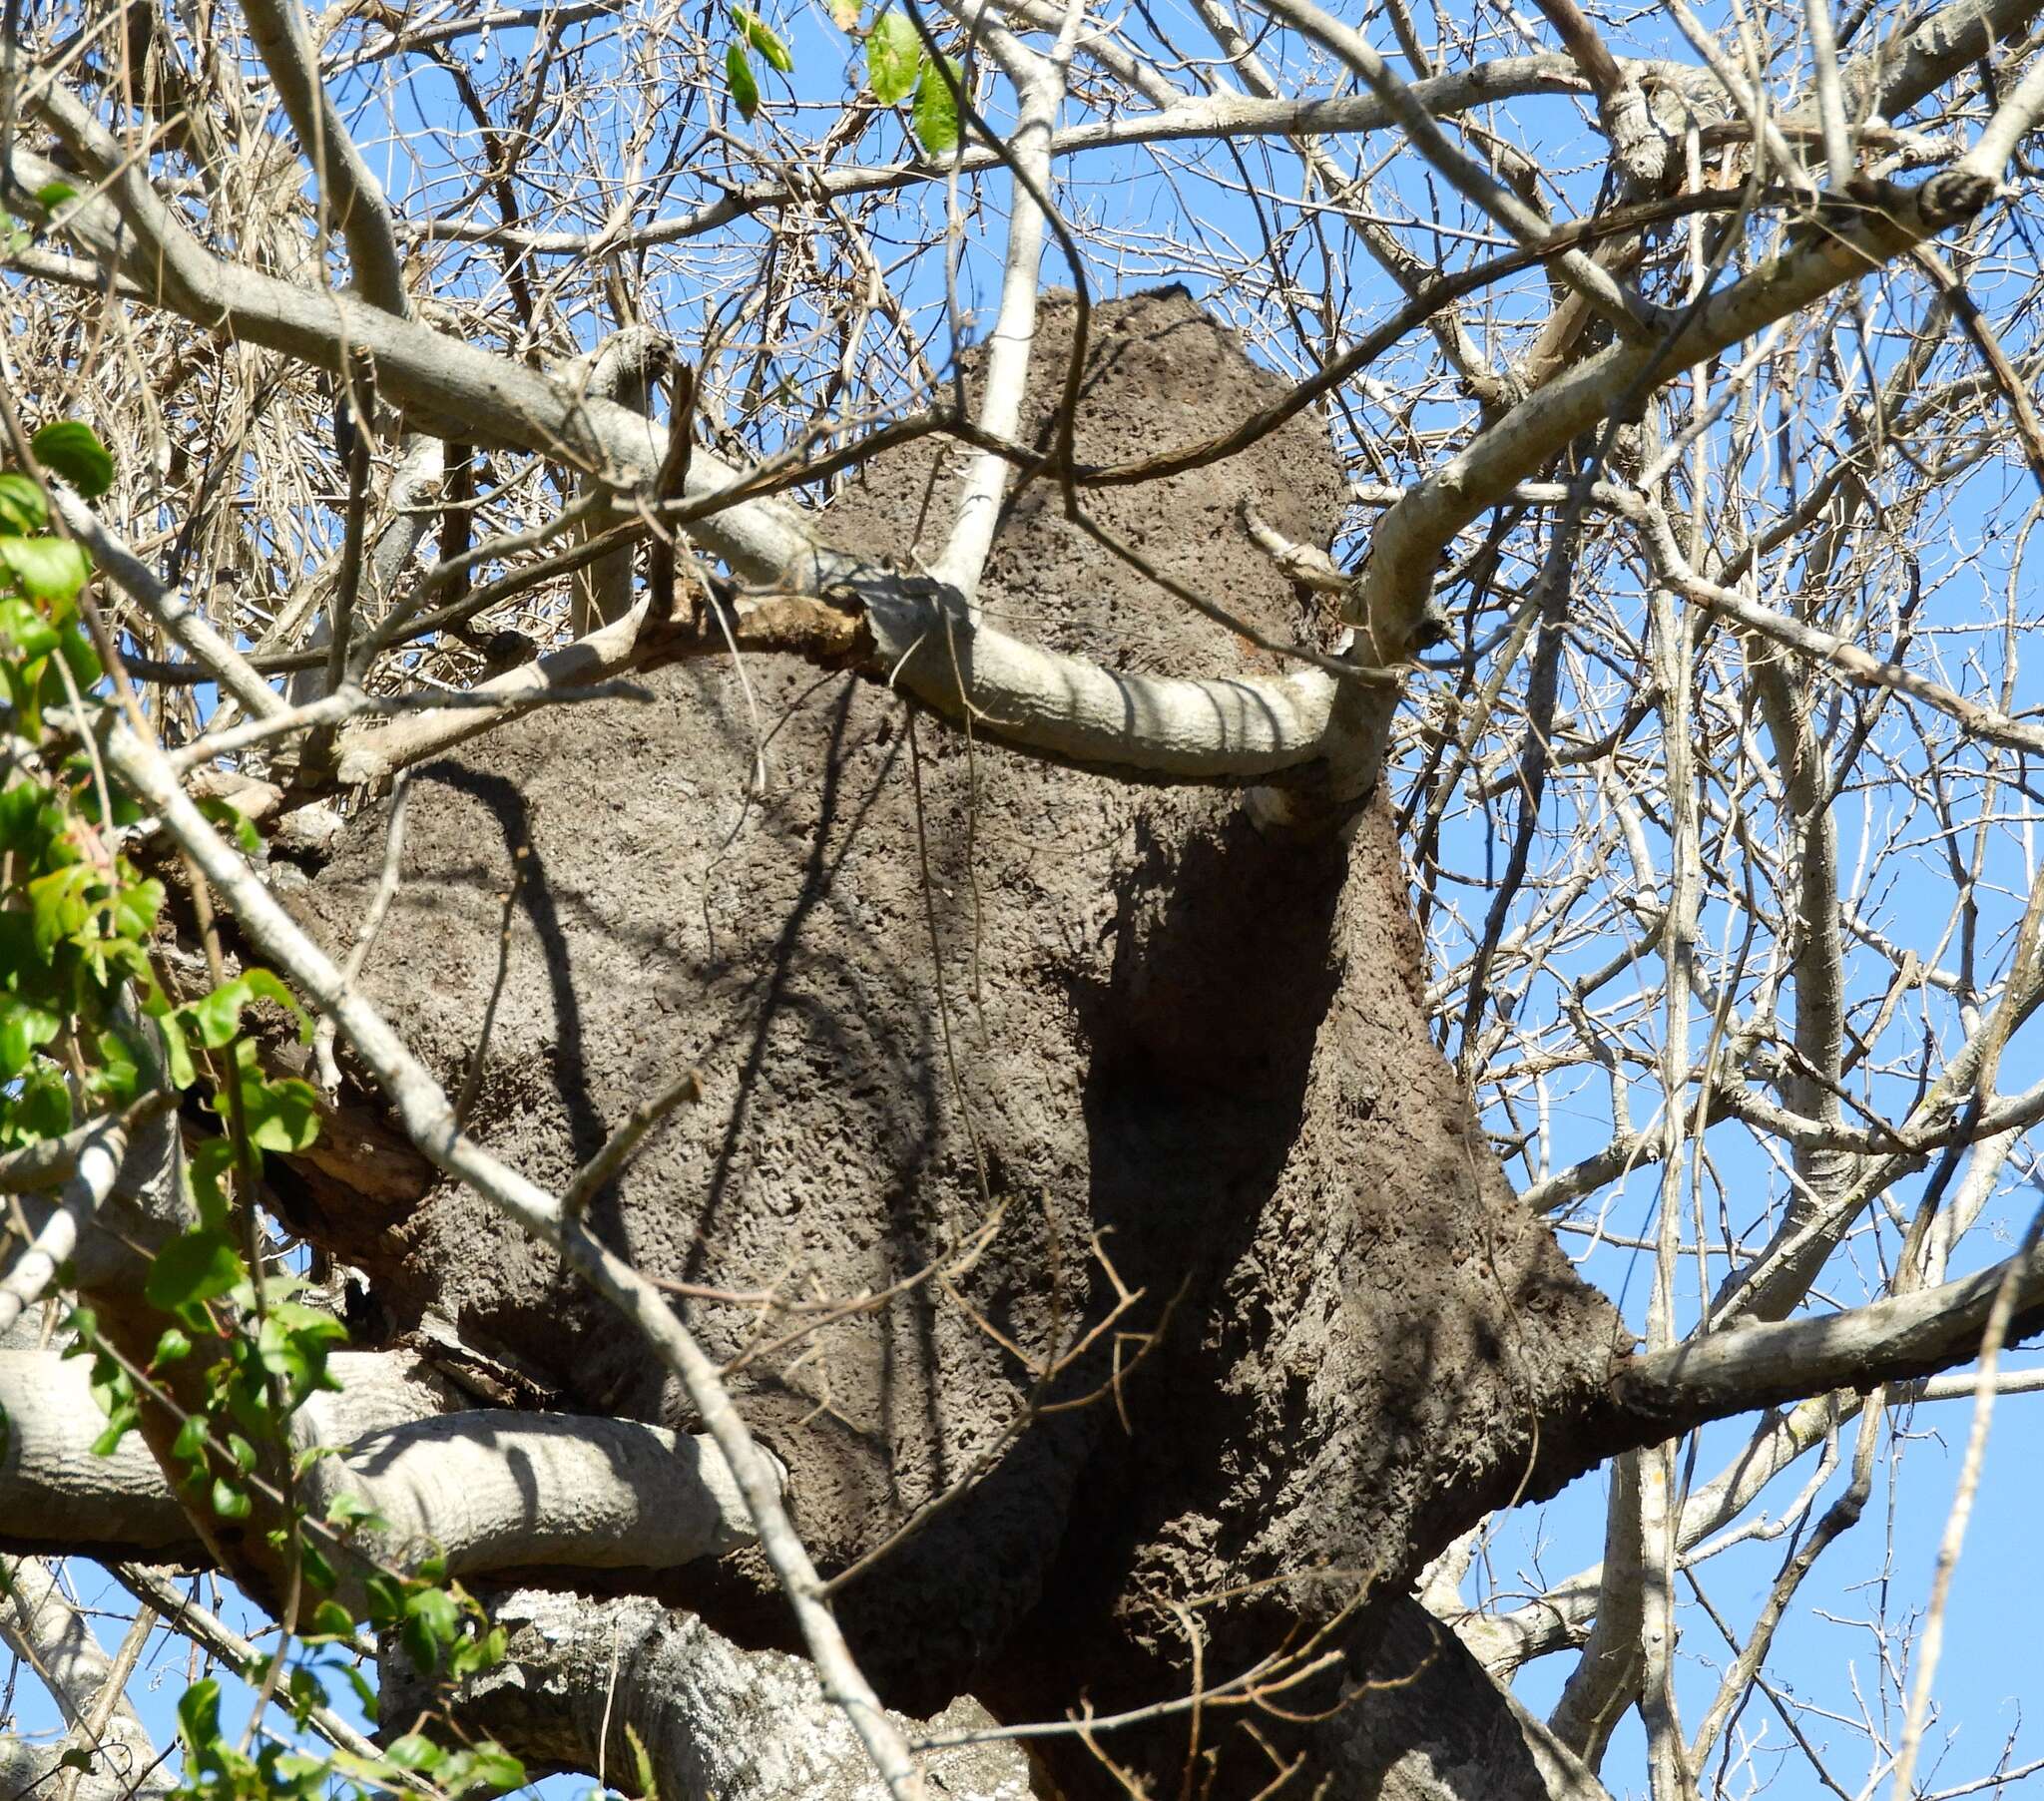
(87, 1028)
(897, 69)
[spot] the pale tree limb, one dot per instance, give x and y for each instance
(1752, 107)
(487, 1489)
(1606, 1680)
(1830, 95)
(584, 1677)
(2013, 120)
(1423, 1722)
(1811, 1082)
(55, 1491)
(1878, 85)
(1891, 75)
(1789, 1261)
(55, 1640)
(1558, 1618)
(1668, 1768)
(461, 391)
(1446, 323)
(49, 1163)
(1852, 661)
(1839, 1518)
(414, 484)
(504, 402)
(278, 28)
(101, 1152)
(2008, 1295)
(1763, 1365)
(184, 1616)
(167, 608)
(623, 371)
(1039, 83)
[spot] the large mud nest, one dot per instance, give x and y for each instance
(926, 980)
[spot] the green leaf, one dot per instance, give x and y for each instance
(119, 1077)
(29, 823)
(642, 1764)
(76, 650)
(437, 1611)
(193, 1267)
(26, 628)
(893, 57)
(55, 907)
(844, 14)
(737, 77)
(236, 825)
(21, 504)
(366, 1697)
(420, 1646)
(41, 1107)
(198, 1717)
(303, 1775)
(332, 1620)
(307, 1692)
(491, 1766)
(172, 1346)
(136, 905)
(264, 985)
(177, 1051)
(319, 1572)
(293, 1346)
(73, 450)
(764, 40)
(935, 113)
(415, 1751)
(217, 1016)
(384, 1599)
(349, 1509)
(50, 570)
(24, 1027)
(189, 1445)
(208, 1164)
(282, 1116)
(52, 195)
(124, 1418)
(229, 1501)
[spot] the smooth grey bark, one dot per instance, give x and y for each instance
(624, 371)
(488, 1490)
(414, 485)
(717, 1724)
(41, 1627)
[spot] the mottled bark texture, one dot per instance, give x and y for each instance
(582, 1678)
(1145, 1035)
